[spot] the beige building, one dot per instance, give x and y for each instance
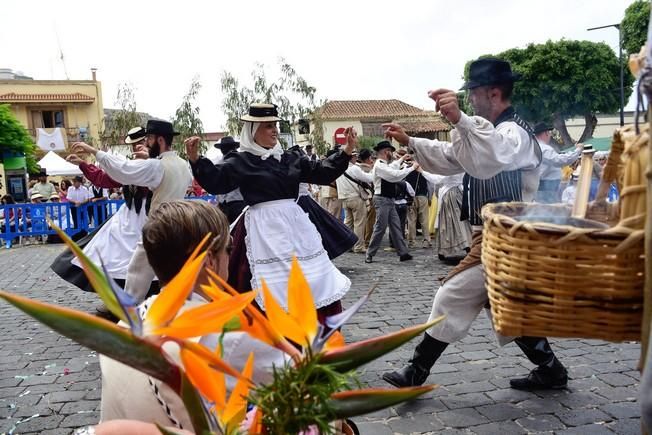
(607, 123)
(65, 110)
(367, 117)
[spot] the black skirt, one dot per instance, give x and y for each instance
(336, 237)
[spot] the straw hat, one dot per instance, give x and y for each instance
(136, 134)
(262, 112)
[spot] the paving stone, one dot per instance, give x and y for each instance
(581, 399)
(623, 410)
(81, 419)
(418, 424)
(498, 428)
(626, 426)
(542, 422)
(465, 400)
(581, 417)
(374, 428)
(510, 395)
(39, 423)
(540, 406)
(588, 429)
(617, 379)
(501, 411)
(463, 417)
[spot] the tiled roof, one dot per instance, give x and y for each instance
(368, 109)
(432, 122)
(76, 97)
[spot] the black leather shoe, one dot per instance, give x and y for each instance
(368, 259)
(405, 257)
(408, 376)
(103, 312)
(541, 378)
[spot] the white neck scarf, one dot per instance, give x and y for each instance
(247, 143)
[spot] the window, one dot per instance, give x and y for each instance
(304, 126)
(52, 118)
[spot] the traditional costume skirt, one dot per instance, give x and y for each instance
(454, 236)
(264, 241)
(336, 237)
(114, 243)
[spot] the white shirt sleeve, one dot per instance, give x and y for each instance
(558, 160)
(147, 173)
(392, 175)
(360, 175)
(409, 188)
(478, 149)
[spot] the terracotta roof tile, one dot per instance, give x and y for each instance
(368, 109)
(76, 97)
(432, 122)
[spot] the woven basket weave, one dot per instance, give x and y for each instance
(546, 279)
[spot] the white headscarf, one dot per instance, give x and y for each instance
(247, 143)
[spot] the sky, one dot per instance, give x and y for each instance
(348, 50)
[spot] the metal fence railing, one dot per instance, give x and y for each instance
(30, 220)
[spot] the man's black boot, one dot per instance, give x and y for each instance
(549, 373)
(417, 371)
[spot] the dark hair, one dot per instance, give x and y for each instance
(78, 178)
(167, 138)
(8, 199)
(506, 90)
(364, 154)
(175, 228)
(66, 183)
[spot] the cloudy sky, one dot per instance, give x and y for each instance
(346, 49)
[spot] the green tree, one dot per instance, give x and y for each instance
(369, 141)
(124, 118)
(634, 26)
(566, 79)
(14, 138)
(186, 119)
(295, 98)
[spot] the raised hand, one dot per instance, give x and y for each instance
(83, 148)
(395, 131)
(142, 152)
(447, 104)
(74, 159)
(192, 148)
(351, 140)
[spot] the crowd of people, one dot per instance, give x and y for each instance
(274, 204)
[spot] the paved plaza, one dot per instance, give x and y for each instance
(50, 385)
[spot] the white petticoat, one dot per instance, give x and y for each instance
(277, 230)
(116, 241)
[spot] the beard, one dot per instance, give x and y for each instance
(154, 150)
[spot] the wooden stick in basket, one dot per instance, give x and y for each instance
(584, 183)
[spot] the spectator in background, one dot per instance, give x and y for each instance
(312, 156)
(63, 189)
(43, 187)
(78, 196)
(328, 195)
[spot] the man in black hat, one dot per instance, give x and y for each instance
(553, 161)
(313, 157)
(385, 175)
(500, 156)
(164, 173)
(231, 203)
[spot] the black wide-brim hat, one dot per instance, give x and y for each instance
(490, 71)
(161, 128)
(382, 145)
(262, 112)
(227, 142)
(541, 127)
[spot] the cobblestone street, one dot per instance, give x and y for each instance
(50, 385)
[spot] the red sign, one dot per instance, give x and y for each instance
(340, 136)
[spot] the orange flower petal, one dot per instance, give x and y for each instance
(210, 358)
(173, 296)
(203, 377)
(300, 301)
(207, 318)
(236, 407)
(282, 321)
(335, 341)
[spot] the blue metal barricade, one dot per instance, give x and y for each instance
(30, 220)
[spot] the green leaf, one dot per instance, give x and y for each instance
(95, 276)
(200, 419)
(144, 354)
(358, 402)
(357, 354)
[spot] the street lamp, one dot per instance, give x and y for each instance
(622, 71)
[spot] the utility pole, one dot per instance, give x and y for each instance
(622, 70)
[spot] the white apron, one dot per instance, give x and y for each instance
(277, 230)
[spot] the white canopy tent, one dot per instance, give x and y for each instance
(56, 165)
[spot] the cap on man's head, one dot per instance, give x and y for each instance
(160, 128)
(490, 71)
(227, 143)
(541, 127)
(364, 154)
(384, 145)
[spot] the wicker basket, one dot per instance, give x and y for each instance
(558, 280)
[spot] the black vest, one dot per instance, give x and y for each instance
(504, 187)
(418, 183)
